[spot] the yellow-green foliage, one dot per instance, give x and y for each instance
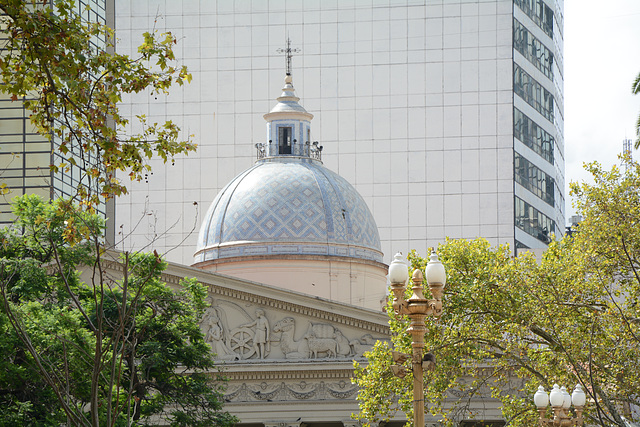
(53, 62)
(511, 324)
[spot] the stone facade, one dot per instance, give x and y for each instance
(288, 356)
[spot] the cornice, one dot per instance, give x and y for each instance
(286, 257)
(277, 375)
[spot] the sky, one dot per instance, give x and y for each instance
(601, 60)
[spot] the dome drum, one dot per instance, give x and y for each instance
(248, 249)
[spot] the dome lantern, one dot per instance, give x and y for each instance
(288, 125)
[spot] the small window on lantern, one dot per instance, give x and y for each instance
(284, 140)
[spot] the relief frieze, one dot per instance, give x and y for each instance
(250, 333)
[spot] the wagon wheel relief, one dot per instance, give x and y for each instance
(241, 342)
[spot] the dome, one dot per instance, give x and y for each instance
(288, 205)
(290, 222)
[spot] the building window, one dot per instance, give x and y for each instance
(533, 179)
(539, 13)
(533, 222)
(532, 92)
(533, 136)
(284, 140)
(532, 49)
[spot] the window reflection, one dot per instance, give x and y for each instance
(25, 155)
(532, 92)
(539, 13)
(533, 179)
(532, 49)
(532, 135)
(533, 222)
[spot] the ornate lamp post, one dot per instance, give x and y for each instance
(560, 401)
(417, 308)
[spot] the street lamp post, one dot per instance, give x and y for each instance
(560, 401)
(417, 307)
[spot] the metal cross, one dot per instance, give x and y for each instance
(288, 52)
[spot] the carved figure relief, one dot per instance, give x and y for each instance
(216, 336)
(241, 342)
(321, 340)
(261, 345)
(359, 346)
(228, 344)
(292, 349)
(344, 349)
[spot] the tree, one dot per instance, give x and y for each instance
(511, 324)
(53, 61)
(110, 350)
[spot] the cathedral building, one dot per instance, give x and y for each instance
(290, 255)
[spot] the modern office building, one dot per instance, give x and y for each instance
(25, 155)
(445, 115)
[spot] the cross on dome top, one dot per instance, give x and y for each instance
(288, 53)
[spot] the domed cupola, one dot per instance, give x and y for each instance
(288, 220)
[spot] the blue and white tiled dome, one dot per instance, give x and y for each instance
(288, 203)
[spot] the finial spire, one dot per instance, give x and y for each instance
(288, 52)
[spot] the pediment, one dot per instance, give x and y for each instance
(250, 322)
(286, 355)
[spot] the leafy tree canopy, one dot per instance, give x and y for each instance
(83, 344)
(97, 347)
(510, 324)
(65, 71)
